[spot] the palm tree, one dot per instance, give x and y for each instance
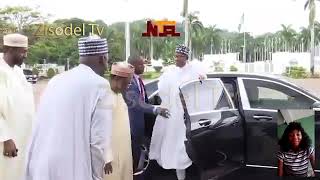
(195, 28)
(304, 38)
(316, 32)
(213, 37)
(199, 44)
(288, 35)
(140, 45)
(312, 14)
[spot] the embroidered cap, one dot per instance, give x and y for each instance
(92, 45)
(122, 69)
(182, 49)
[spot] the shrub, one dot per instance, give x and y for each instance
(296, 72)
(57, 71)
(233, 68)
(35, 71)
(50, 73)
(218, 69)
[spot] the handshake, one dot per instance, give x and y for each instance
(164, 112)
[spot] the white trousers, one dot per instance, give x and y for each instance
(181, 174)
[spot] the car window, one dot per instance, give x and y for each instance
(206, 96)
(269, 95)
(151, 87)
(231, 90)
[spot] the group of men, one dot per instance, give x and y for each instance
(86, 127)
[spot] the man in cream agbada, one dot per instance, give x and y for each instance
(16, 107)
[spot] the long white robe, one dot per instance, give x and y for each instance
(16, 115)
(121, 142)
(167, 142)
(72, 128)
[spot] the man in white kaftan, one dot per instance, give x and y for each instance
(16, 108)
(167, 143)
(74, 120)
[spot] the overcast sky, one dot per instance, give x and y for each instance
(261, 16)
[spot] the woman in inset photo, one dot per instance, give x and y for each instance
(296, 156)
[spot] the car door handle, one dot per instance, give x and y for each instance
(204, 122)
(262, 117)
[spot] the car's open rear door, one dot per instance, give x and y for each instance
(214, 128)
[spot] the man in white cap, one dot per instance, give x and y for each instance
(73, 123)
(16, 107)
(121, 75)
(168, 136)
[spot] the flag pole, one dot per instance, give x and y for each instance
(127, 40)
(241, 26)
(151, 48)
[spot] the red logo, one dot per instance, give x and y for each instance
(161, 29)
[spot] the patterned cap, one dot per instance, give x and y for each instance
(92, 45)
(122, 69)
(182, 49)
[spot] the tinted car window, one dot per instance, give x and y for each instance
(231, 90)
(269, 95)
(151, 87)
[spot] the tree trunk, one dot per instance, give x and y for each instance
(312, 51)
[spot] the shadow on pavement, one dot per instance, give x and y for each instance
(155, 172)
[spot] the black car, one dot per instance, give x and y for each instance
(234, 133)
(32, 78)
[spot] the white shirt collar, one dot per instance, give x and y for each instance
(136, 76)
(4, 64)
(85, 67)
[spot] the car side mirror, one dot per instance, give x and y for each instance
(316, 106)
